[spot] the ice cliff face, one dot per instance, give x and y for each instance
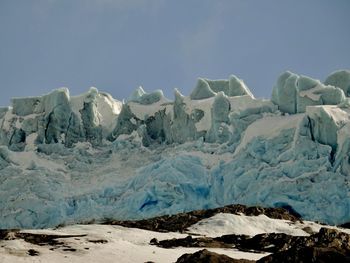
(67, 159)
(58, 118)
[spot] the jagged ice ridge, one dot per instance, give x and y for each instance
(67, 159)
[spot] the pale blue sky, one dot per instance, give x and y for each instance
(117, 45)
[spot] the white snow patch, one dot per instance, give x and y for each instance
(108, 110)
(241, 103)
(268, 127)
(142, 111)
(123, 245)
(223, 224)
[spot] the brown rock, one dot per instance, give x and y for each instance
(205, 256)
(180, 222)
(308, 254)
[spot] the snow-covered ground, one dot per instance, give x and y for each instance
(123, 245)
(110, 243)
(223, 224)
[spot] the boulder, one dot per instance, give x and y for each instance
(208, 256)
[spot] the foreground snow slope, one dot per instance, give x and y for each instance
(69, 159)
(108, 243)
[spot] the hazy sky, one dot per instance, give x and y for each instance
(118, 45)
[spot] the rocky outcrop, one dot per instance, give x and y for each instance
(208, 256)
(180, 222)
(328, 245)
(308, 254)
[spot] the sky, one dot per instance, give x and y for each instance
(118, 45)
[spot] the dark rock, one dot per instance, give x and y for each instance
(328, 245)
(69, 249)
(43, 239)
(7, 234)
(272, 242)
(98, 241)
(327, 237)
(153, 241)
(207, 256)
(189, 241)
(32, 252)
(268, 242)
(308, 254)
(288, 207)
(345, 225)
(180, 222)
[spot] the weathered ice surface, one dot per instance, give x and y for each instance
(58, 118)
(67, 159)
(340, 79)
(142, 97)
(293, 93)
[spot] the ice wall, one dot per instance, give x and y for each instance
(209, 113)
(67, 159)
(293, 93)
(58, 118)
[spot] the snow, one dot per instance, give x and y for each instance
(227, 224)
(143, 111)
(268, 127)
(133, 245)
(123, 244)
(246, 102)
(223, 224)
(313, 94)
(204, 105)
(108, 109)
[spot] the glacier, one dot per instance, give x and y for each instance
(76, 159)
